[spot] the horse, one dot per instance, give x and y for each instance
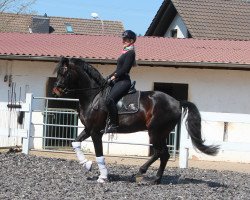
(158, 113)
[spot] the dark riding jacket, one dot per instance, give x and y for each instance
(124, 65)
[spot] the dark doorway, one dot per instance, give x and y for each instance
(178, 91)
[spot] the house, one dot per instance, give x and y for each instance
(213, 19)
(214, 74)
(24, 23)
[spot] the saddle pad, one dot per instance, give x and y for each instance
(130, 103)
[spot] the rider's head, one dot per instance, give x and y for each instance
(129, 37)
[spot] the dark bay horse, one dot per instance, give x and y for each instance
(158, 113)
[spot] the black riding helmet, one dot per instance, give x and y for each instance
(129, 35)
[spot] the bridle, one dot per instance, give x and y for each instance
(78, 91)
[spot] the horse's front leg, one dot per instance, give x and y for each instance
(97, 140)
(79, 153)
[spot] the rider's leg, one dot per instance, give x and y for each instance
(113, 112)
(116, 93)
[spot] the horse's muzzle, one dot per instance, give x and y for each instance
(57, 92)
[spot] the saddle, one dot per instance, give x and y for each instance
(128, 104)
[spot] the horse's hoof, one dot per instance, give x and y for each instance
(156, 180)
(102, 180)
(139, 178)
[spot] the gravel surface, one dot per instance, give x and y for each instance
(32, 177)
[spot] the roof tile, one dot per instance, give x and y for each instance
(218, 19)
(147, 48)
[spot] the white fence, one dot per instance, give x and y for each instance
(13, 132)
(186, 144)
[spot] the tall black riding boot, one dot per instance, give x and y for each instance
(113, 114)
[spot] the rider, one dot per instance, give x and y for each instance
(120, 79)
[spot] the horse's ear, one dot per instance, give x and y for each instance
(75, 62)
(63, 62)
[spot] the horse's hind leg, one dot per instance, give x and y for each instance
(154, 157)
(143, 169)
(160, 151)
(164, 156)
(156, 154)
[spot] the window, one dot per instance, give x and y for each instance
(69, 28)
(174, 33)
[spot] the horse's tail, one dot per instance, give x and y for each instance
(193, 125)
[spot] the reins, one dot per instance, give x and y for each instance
(100, 88)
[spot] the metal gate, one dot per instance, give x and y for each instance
(172, 142)
(60, 126)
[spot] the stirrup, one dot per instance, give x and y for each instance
(110, 129)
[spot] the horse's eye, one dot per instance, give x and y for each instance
(63, 70)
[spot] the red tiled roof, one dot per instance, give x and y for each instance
(150, 49)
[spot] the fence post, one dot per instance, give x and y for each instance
(183, 157)
(27, 123)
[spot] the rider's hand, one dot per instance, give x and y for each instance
(109, 81)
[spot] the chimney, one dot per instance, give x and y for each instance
(40, 24)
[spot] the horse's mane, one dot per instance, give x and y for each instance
(85, 67)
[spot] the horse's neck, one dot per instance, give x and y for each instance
(87, 95)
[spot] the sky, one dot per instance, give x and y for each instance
(135, 15)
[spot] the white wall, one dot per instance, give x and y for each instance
(211, 90)
(29, 75)
(223, 91)
(178, 24)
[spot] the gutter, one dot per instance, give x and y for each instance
(53, 59)
(152, 63)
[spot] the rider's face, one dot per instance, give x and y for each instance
(126, 42)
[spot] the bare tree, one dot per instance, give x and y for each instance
(16, 6)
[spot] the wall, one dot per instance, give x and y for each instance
(178, 24)
(30, 76)
(212, 90)
(224, 91)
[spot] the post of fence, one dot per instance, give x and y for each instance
(183, 157)
(27, 108)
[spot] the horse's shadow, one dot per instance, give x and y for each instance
(177, 179)
(166, 180)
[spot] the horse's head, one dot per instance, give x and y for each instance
(76, 74)
(64, 80)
